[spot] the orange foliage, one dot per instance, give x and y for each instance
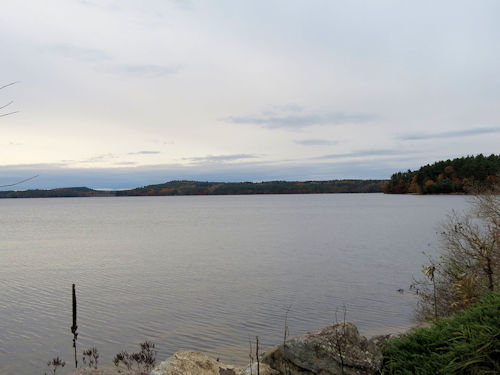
(449, 170)
(166, 191)
(414, 186)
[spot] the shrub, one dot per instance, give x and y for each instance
(54, 364)
(146, 358)
(469, 263)
(466, 343)
(90, 357)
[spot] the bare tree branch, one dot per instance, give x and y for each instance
(19, 182)
(9, 84)
(6, 114)
(10, 113)
(469, 262)
(6, 105)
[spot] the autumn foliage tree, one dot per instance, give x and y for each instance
(460, 175)
(469, 263)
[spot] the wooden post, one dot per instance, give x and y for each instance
(257, 354)
(74, 327)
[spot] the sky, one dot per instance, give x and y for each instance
(116, 94)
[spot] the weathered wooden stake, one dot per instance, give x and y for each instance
(257, 354)
(74, 327)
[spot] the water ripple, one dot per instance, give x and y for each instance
(203, 273)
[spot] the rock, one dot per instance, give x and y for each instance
(196, 363)
(108, 370)
(265, 369)
(320, 352)
(188, 362)
(380, 340)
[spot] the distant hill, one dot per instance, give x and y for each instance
(211, 188)
(460, 175)
(56, 193)
(269, 187)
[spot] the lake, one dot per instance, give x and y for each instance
(205, 272)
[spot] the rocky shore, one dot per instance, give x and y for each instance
(332, 350)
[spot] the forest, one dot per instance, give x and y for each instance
(210, 188)
(459, 175)
(56, 193)
(268, 187)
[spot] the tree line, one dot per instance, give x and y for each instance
(459, 175)
(269, 187)
(183, 187)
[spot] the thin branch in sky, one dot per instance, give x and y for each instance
(19, 182)
(6, 105)
(9, 84)
(10, 113)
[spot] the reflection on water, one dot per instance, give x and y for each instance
(204, 273)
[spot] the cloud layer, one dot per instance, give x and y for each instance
(219, 158)
(315, 142)
(450, 134)
(297, 121)
(293, 89)
(364, 153)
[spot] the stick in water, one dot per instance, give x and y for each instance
(74, 327)
(257, 354)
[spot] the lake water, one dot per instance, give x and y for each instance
(204, 272)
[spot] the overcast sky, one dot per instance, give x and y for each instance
(122, 93)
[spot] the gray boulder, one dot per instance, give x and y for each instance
(189, 362)
(337, 349)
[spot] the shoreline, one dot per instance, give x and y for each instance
(169, 366)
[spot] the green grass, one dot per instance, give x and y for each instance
(466, 343)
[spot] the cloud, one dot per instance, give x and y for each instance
(98, 158)
(99, 4)
(145, 152)
(78, 53)
(119, 6)
(220, 158)
(183, 4)
(106, 157)
(145, 69)
(361, 153)
(297, 121)
(54, 176)
(450, 134)
(32, 166)
(315, 142)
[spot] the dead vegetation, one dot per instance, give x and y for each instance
(469, 263)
